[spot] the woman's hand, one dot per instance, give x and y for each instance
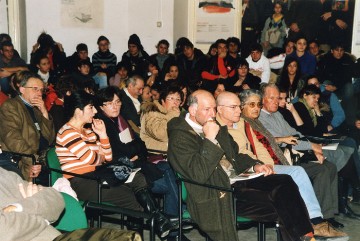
(99, 128)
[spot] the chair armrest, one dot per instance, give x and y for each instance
(116, 209)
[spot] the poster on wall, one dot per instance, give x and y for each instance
(3, 17)
(214, 20)
(82, 14)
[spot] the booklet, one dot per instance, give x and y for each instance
(330, 146)
(245, 176)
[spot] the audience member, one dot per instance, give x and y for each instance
(121, 76)
(26, 126)
(162, 57)
(146, 95)
(198, 146)
(72, 61)
(258, 64)
(233, 45)
(44, 71)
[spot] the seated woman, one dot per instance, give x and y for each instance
(289, 78)
(81, 150)
(315, 125)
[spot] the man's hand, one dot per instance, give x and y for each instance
(31, 189)
(341, 24)
(318, 152)
(35, 170)
(39, 103)
(266, 169)
(211, 129)
(326, 16)
(287, 139)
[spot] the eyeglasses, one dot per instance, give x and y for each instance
(233, 107)
(34, 88)
(173, 99)
(113, 103)
(253, 104)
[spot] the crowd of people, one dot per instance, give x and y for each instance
(286, 86)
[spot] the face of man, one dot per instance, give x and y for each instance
(189, 52)
(230, 111)
(271, 100)
(255, 55)
(204, 110)
(222, 49)
(84, 69)
(301, 45)
(289, 48)
(252, 107)
(137, 89)
(8, 53)
(33, 90)
(233, 48)
(314, 49)
(163, 49)
(83, 54)
(338, 53)
(133, 49)
(103, 46)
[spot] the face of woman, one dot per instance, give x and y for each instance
(112, 108)
(292, 68)
(301, 45)
(220, 88)
(174, 72)
(312, 100)
(146, 94)
(277, 8)
(282, 100)
(252, 107)
(172, 101)
(88, 113)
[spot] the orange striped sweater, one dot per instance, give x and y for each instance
(80, 153)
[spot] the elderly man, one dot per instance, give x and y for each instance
(26, 127)
(275, 123)
(202, 151)
(130, 108)
(255, 143)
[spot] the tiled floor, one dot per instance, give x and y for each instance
(352, 228)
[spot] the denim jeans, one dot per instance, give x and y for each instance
(101, 81)
(167, 186)
(306, 190)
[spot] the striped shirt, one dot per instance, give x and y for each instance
(80, 152)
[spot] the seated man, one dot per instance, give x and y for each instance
(255, 141)
(198, 146)
(26, 126)
(130, 108)
(259, 65)
(73, 60)
(274, 122)
(9, 64)
(26, 211)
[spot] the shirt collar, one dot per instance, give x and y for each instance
(25, 102)
(197, 127)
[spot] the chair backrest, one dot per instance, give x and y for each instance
(73, 217)
(53, 163)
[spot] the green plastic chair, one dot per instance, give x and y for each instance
(73, 217)
(242, 222)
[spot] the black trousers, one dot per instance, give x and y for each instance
(122, 195)
(274, 198)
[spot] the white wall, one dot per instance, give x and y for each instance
(3, 17)
(121, 19)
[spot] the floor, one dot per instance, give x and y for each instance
(352, 228)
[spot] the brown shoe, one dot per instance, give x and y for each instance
(324, 229)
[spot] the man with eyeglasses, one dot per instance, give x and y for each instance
(200, 150)
(263, 148)
(26, 126)
(284, 134)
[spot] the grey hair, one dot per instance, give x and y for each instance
(264, 87)
(192, 100)
(24, 76)
(246, 94)
(132, 80)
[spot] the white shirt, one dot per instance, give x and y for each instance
(262, 65)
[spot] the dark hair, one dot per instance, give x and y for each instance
(121, 65)
(83, 62)
(220, 41)
(81, 47)
(172, 89)
(315, 41)
(284, 76)
(25, 75)
(106, 95)
(102, 38)
(234, 40)
(64, 85)
(242, 62)
(212, 46)
(310, 90)
(300, 36)
(5, 37)
(337, 44)
(256, 47)
(40, 57)
(163, 41)
(311, 76)
(45, 41)
(78, 99)
(6, 43)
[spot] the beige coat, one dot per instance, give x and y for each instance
(154, 121)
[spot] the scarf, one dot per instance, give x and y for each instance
(261, 132)
(311, 112)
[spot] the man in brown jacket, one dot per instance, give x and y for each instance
(26, 127)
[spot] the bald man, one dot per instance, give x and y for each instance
(201, 150)
(228, 114)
